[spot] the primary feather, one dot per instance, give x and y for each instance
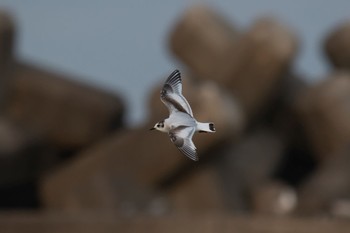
(171, 94)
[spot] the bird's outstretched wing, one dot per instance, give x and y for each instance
(171, 94)
(182, 138)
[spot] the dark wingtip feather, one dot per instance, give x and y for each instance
(175, 72)
(174, 78)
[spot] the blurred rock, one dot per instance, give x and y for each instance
(70, 115)
(329, 183)
(297, 160)
(12, 139)
(263, 55)
(274, 198)
(325, 114)
(43, 116)
(250, 65)
(23, 159)
(119, 173)
(337, 46)
(205, 41)
(23, 155)
(7, 38)
(17, 164)
(248, 164)
(341, 208)
(280, 115)
(199, 192)
(7, 31)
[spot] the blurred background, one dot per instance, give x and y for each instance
(104, 43)
(79, 87)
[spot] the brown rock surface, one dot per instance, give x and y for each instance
(23, 156)
(273, 198)
(7, 31)
(263, 55)
(70, 115)
(328, 184)
(250, 65)
(120, 171)
(325, 114)
(204, 41)
(198, 192)
(337, 46)
(7, 34)
(248, 164)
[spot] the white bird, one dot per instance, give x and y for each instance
(180, 125)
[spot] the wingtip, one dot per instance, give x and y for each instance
(193, 156)
(176, 71)
(196, 159)
(175, 74)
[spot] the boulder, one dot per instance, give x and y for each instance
(337, 46)
(325, 114)
(250, 65)
(69, 114)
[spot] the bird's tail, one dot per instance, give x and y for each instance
(205, 127)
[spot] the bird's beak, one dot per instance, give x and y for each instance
(152, 128)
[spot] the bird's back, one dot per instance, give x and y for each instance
(180, 119)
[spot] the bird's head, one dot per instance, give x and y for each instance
(159, 126)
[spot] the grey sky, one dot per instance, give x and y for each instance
(121, 46)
